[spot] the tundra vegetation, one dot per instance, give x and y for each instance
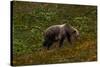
(29, 20)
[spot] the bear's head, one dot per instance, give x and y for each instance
(72, 31)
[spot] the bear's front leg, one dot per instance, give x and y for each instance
(69, 39)
(61, 42)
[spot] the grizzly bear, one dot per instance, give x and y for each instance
(59, 33)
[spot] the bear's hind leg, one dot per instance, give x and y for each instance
(50, 42)
(47, 44)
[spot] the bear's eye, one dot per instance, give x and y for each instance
(74, 32)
